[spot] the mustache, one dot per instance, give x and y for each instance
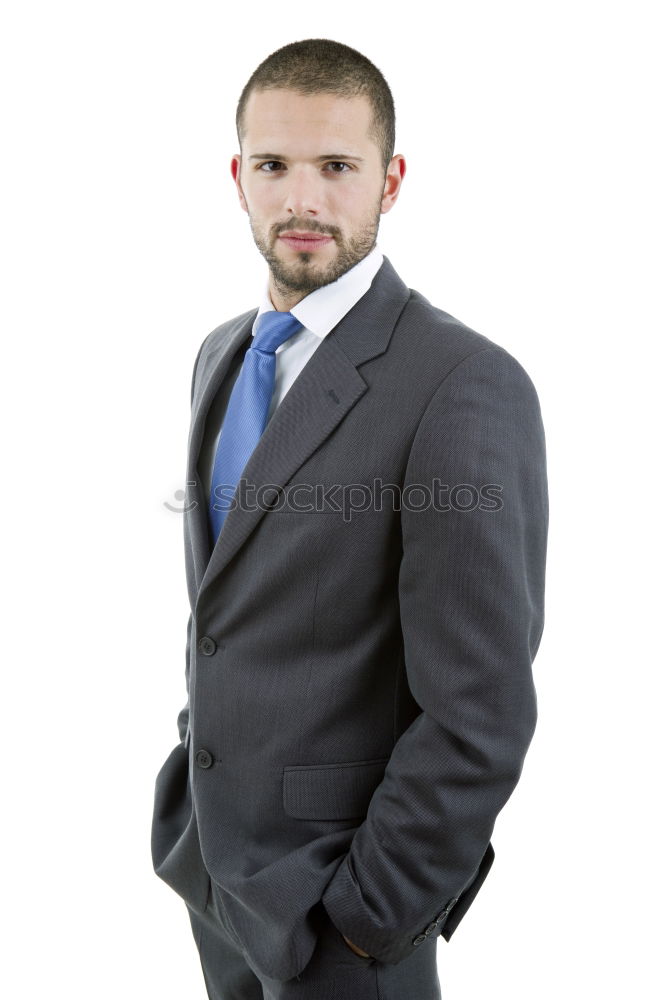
(305, 229)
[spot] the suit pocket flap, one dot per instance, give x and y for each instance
(331, 791)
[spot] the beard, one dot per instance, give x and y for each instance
(303, 274)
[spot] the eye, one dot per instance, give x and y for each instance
(335, 163)
(339, 163)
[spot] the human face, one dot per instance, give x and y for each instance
(308, 166)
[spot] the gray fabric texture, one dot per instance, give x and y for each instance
(360, 696)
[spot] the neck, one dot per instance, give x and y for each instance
(283, 301)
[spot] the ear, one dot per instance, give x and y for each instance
(236, 163)
(394, 175)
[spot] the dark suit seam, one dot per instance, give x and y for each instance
(380, 993)
(199, 943)
(472, 354)
(411, 297)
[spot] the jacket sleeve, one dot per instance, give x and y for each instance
(471, 592)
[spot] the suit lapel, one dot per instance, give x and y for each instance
(213, 369)
(325, 390)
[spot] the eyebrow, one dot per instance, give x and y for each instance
(327, 156)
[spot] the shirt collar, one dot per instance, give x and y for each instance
(323, 309)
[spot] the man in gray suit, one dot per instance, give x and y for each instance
(365, 542)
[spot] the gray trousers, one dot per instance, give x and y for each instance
(334, 972)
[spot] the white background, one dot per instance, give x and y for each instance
(533, 210)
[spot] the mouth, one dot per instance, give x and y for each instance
(305, 241)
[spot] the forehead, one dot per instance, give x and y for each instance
(277, 115)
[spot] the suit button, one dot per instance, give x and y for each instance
(419, 938)
(203, 758)
(447, 909)
(207, 646)
(430, 928)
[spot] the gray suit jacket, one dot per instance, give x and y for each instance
(359, 661)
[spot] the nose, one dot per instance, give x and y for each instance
(303, 192)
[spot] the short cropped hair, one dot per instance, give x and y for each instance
(323, 66)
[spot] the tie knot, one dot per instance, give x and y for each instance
(273, 328)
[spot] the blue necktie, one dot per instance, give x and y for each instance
(247, 411)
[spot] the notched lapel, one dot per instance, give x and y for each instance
(325, 390)
(215, 365)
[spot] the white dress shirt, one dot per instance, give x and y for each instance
(319, 312)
